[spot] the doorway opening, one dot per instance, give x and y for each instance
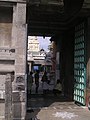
(40, 60)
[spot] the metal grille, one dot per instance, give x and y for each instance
(79, 64)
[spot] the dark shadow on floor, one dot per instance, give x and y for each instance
(37, 101)
(32, 114)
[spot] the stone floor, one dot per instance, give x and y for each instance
(50, 107)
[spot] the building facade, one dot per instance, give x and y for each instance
(36, 56)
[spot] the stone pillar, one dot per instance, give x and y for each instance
(58, 48)
(19, 40)
(8, 97)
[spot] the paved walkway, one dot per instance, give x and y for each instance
(55, 108)
(49, 107)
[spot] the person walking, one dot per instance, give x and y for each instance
(45, 85)
(37, 81)
(30, 82)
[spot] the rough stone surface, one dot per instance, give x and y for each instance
(13, 0)
(19, 37)
(19, 96)
(19, 110)
(2, 109)
(8, 98)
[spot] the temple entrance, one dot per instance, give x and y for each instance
(68, 25)
(51, 62)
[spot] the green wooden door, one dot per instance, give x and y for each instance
(79, 65)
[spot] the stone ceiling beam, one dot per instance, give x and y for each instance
(46, 2)
(21, 1)
(86, 4)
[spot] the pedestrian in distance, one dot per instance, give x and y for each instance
(30, 82)
(37, 80)
(45, 84)
(58, 88)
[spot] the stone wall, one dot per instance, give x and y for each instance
(13, 37)
(2, 109)
(19, 38)
(2, 86)
(5, 26)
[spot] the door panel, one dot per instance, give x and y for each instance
(79, 64)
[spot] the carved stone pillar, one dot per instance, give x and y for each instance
(19, 40)
(8, 97)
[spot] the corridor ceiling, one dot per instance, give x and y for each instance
(47, 17)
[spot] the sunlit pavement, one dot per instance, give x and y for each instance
(51, 108)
